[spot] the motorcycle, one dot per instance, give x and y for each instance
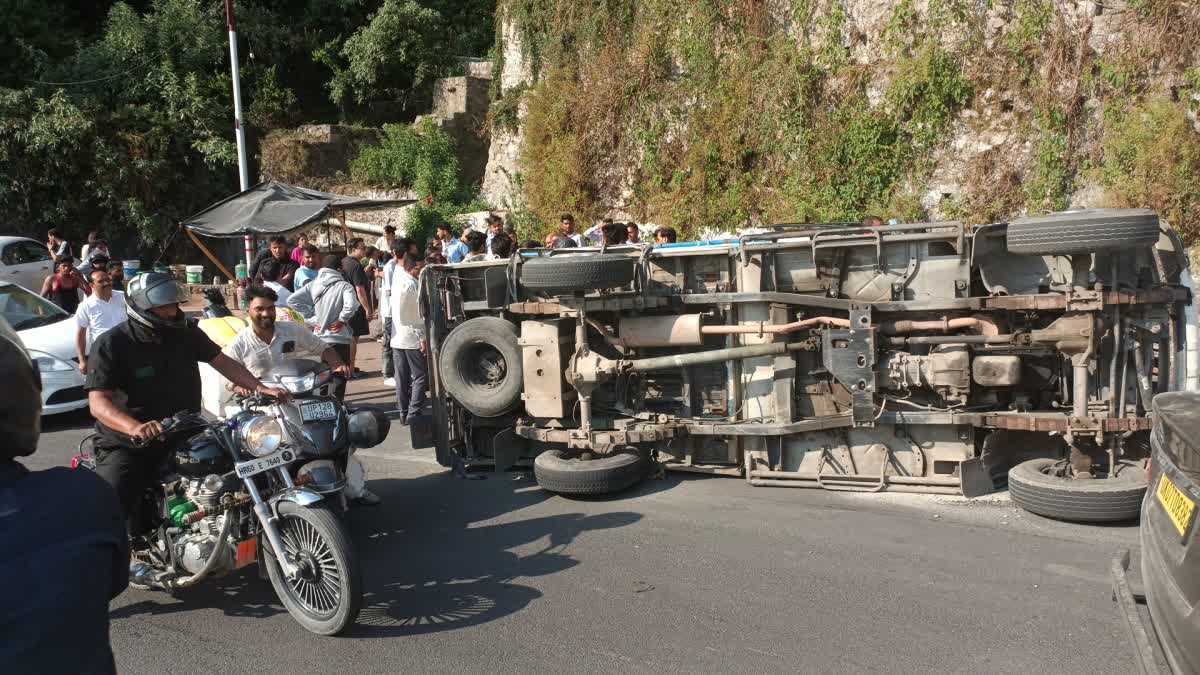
(227, 499)
(324, 429)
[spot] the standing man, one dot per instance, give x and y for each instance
(385, 313)
(566, 228)
(327, 304)
(352, 272)
(116, 272)
(632, 235)
(279, 251)
(99, 313)
(310, 264)
(452, 247)
(872, 221)
(387, 239)
(58, 246)
(665, 235)
(142, 372)
(408, 339)
(66, 552)
(270, 274)
(62, 288)
(495, 226)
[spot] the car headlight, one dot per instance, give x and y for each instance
(299, 385)
(261, 435)
(48, 363)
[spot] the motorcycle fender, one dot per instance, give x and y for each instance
(296, 495)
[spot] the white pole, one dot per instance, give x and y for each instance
(243, 166)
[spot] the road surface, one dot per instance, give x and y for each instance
(685, 574)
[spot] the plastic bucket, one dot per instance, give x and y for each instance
(195, 274)
(131, 268)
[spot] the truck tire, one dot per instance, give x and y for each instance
(1083, 231)
(1095, 500)
(570, 273)
(573, 476)
(480, 365)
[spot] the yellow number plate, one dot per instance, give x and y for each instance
(1179, 507)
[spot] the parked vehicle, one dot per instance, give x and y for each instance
(920, 358)
(49, 334)
(324, 430)
(26, 262)
(1170, 548)
(227, 500)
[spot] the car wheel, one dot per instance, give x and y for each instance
(1083, 231)
(570, 273)
(572, 474)
(480, 366)
(1035, 486)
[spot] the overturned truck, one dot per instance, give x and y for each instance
(918, 358)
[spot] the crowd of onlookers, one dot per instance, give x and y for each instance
(336, 295)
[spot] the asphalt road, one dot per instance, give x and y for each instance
(688, 573)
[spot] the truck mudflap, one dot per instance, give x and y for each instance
(1146, 650)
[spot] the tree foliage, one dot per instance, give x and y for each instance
(118, 114)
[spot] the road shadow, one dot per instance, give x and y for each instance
(431, 559)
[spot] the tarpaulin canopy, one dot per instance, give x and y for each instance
(275, 208)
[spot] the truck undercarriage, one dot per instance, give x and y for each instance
(916, 358)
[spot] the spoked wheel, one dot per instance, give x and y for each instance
(326, 594)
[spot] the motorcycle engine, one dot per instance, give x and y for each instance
(193, 549)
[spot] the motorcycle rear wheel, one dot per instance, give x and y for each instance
(326, 597)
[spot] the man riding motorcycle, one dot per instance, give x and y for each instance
(144, 371)
(266, 342)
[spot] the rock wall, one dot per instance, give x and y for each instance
(1048, 79)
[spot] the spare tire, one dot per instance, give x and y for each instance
(480, 366)
(1083, 231)
(569, 474)
(1033, 486)
(568, 273)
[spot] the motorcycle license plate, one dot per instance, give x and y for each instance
(318, 412)
(261, 464)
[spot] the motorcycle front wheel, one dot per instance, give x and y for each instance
(327, 593)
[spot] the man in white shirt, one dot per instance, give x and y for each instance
(270, 271)
(102, 310)
(385, 315)
(387, 239)
(566, 228)
(266, 342)
(408, 339)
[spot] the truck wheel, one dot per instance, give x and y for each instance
(1083, 231)
(577, 273)
(568, 474)
(1035, 488)
(480, 365)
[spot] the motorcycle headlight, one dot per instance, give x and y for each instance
(261, 436)
(48, 363)
(299, 385)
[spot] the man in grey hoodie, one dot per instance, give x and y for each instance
(327, 303)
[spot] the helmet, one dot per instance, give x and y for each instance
(21, 408)
(154, 289)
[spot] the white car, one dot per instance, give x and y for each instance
(49, 334)
(25, 261)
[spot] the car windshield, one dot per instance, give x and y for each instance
(24, 310)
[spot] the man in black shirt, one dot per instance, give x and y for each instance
(287, 267)
(352, 269)
(63, 549)
(144, 371)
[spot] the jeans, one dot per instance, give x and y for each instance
(339, 385)
(410, 381)
(387, 346)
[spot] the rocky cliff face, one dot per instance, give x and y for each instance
(692, 113)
